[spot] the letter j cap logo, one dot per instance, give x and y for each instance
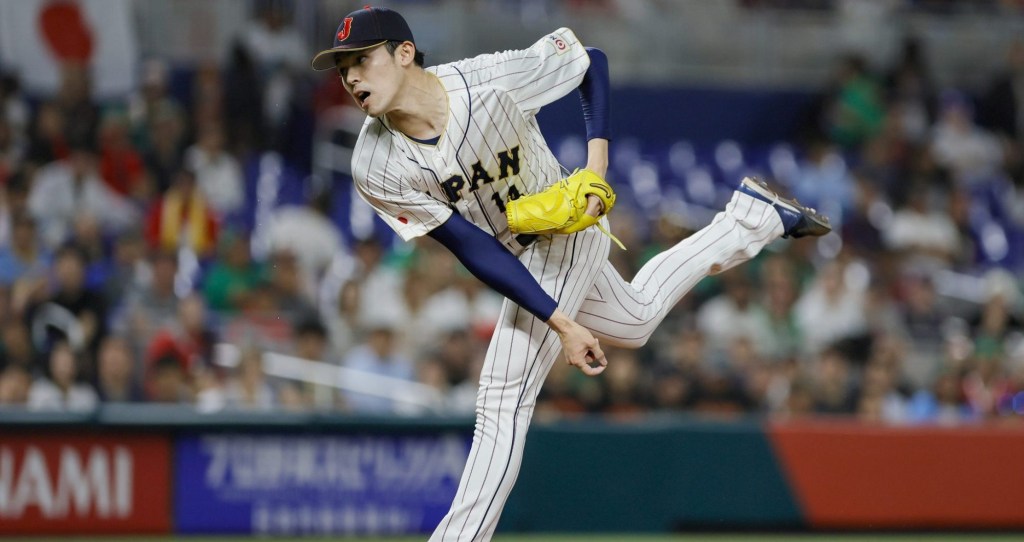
(346, 29)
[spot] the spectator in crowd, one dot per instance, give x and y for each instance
(943, 403)
(16, 345)
(182, 218)
(15, 384)
(868, 218)
(189, 339)
(923, 318)
(831, 309)
(164, 153)
(233, 274)
(152, 101)
(260, 322)
(311, 344)
(311, 341)
(117, 380)
(24, 257)
(248, 388)
(279, 53)
(453, 367)
(72, 307)
(910, 90)
(14, 109)
(824, 181)
(129, 270)
(148, 309)
(11, 151)
(167, 381)
(558, 397)
(984, 382)
(1002, 107)
(290, 298)
(65, 188)
(13, 202)
(75, 101)
(377, 356)
(969, 152)
(998, 318)
(342, 318)
(48, 141)
(734, 313)
(60, 389)
(310, 233)
(624, 392)
(379, 286)
(120, 165)
(922, 234)
(463, 303)
(291, 398)
(218, 173)
(723, 388)
(835, 390)
(207, 96)
(779, 291)
(1011, 402)
(881, 400)
(854, 109)
(86, 233)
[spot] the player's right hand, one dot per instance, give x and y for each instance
(579, 346)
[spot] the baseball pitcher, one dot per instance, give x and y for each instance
(454, 152)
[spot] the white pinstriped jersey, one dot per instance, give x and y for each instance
(491, 148)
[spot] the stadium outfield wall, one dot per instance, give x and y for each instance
(152, 469)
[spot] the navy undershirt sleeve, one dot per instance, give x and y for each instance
(490, 262)
(595, 93)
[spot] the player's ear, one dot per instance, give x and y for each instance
(406, 53)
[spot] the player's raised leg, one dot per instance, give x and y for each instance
(626, 313)
(518, 359)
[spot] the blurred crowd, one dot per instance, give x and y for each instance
(131, 268)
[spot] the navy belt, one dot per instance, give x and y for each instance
(525, 239)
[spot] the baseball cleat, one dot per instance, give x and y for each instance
(798, 221)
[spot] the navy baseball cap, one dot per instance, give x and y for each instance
(363, 29)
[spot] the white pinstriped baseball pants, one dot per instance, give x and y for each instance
(575, 270)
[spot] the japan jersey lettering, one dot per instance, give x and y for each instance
(491, 148)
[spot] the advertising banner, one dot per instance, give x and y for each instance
(852, 475)
(316, 484)
(57, 483)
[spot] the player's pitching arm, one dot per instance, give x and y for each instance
(488, 260)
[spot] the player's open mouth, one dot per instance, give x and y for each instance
(361, 97)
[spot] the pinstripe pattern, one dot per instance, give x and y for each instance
(518, 359)
(626, 313)
(414, 187)
(576, 270)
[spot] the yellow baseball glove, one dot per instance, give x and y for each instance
(562, 207)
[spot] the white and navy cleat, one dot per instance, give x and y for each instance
(797, 220)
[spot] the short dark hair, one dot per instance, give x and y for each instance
(392, 46)
(311, 326)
